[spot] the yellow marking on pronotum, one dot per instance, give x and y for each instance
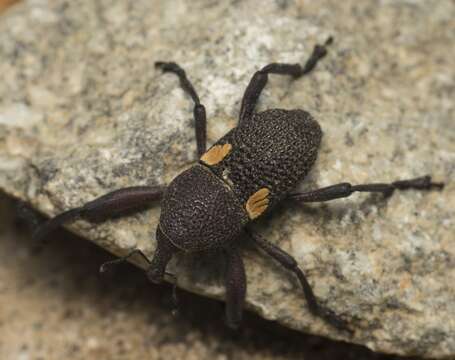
(257, 203)
(216, 154)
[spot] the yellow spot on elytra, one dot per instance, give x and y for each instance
(216, 154)
(257, 203)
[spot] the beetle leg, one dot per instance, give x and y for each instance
(235, 287)
(259, 79)
(113, 204)
(288, 262)
(345, 189)
(199, 109)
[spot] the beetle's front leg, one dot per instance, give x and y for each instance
(288, 262)
(235, 287)
(114, 204)
(200, 118)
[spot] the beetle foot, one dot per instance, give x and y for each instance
(335, 320)
(420, 183)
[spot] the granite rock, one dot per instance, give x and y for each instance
(84, 112)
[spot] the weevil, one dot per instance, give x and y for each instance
(241, 177)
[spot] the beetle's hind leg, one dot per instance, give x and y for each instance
(288, 262)
(343, 190)
(114, 204)
(199, 109)
(260, 78)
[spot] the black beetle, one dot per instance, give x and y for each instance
(242, 176)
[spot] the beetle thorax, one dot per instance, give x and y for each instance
(200, 212)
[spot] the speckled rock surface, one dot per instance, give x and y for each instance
(83, 112)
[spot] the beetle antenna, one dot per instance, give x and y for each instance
(123, 259)
(175, 299)
(44, 230)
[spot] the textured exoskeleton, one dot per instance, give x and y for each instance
(241, 177)
(205, 207)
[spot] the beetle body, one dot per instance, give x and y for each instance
(241, 177)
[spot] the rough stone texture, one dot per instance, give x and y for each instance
(83, 112)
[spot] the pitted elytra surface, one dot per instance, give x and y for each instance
(274, 149)
(201, 217)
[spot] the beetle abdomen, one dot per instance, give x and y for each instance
(266, 156)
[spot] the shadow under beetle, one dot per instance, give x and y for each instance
(242, 176)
